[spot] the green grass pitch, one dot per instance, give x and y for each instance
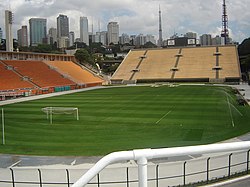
(125, 118)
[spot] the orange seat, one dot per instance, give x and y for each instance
(74, 72)
(39, 73)
(11, 81)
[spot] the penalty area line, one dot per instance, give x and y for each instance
(163, 117)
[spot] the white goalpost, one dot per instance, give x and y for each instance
(3, 136)
(60, 110)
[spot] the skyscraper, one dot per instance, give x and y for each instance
(218, 40)
(71, 38)
(140, 40)
(124, 38)
(62, 26)
(97, 37)
(38, 31)
(63, 42)
(103, 37)
(52, 36)
(113, 32)
(8, 30)
(84, 30)
(206, 39)
(22, 36)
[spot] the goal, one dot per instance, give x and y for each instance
(60, 110)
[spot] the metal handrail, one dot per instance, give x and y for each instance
(143, 155)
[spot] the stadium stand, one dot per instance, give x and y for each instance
(229, 62)
(129, 66)
(9, 80)
(175, 68)
(165, 59)
(203, 64)
(25, 74)
(39, 73)
(74, 72)
(196, 63)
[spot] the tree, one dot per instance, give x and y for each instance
(83, 56)
(43, 48)
(79, 45)
(149, 45)
(246, 64)
(97, 47)
(244, 53)
(244, 47)
(115, 48)
(24, 48)
(110, 69)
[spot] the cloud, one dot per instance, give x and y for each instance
(137, 16)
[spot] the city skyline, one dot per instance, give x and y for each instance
(135, 17)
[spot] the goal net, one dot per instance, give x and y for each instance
(50, 111)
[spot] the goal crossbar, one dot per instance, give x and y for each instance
(60, 110)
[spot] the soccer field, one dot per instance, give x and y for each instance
(125, 118)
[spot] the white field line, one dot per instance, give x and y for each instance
(230, 112)
(227, 94)
(163, 117)
(236, 109)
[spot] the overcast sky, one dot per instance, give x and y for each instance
(136, 16)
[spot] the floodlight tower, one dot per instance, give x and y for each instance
(160, 29)
(225, 31)
(8, 30)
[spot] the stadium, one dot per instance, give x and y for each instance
(53, 108)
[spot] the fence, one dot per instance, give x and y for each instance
(169, 173)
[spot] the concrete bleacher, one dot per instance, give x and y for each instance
(129, 65)
(157, 58)
(74, 72)
(196, 63)
(39, 73)
(9, 80)
(230, 68)
(210, 63)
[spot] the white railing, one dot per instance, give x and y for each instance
(142, 156)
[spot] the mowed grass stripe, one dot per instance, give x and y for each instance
(113, 119)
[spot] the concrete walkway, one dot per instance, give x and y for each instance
(244, 90)
(237, 182)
